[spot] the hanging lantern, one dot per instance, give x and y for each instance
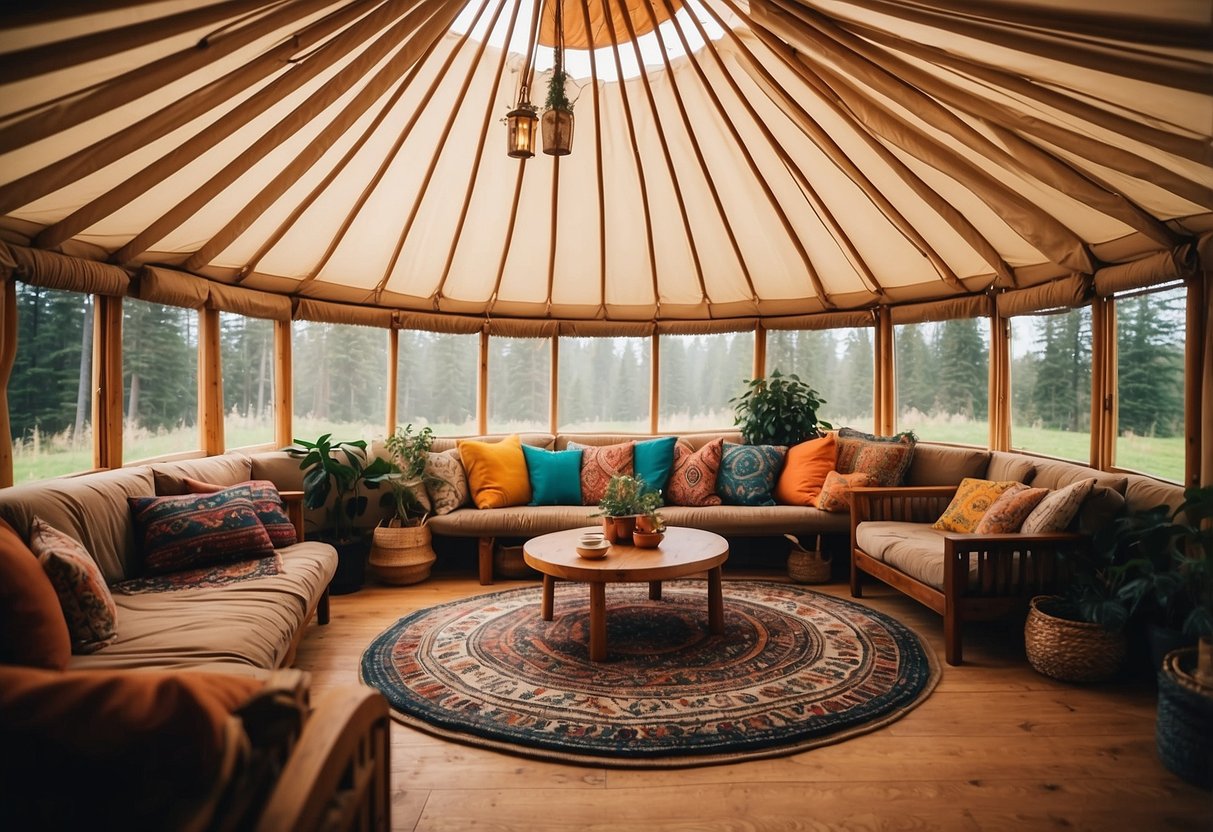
(558, 132)
(520, 125)
(558, 115)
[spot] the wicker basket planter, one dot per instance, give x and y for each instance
(1184, 731)
(402, 554)
(509, 564)
(1071, 651)
(807, 566)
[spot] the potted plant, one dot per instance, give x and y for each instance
(557, 121)
(619, 506)
(402, 550)
(650, 525)
(1079, 636)
(778, 410)
(339, 470)
(1168, 570)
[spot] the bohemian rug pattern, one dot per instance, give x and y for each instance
(794, 669)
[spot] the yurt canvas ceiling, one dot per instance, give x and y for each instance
(730, 158)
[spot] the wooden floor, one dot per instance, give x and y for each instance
(996, 746)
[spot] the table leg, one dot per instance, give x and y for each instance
(715, 603)
(654, 590)
(597, 621)
(549, 586)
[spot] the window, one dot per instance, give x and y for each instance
(436, 381)
(604, 384)
(50, 392)
(1051, 384)
(943, 380)
(247, 354)
(520, 371)
(339, 374)
(159, 379)
(698, 374)
(837, 363)
(1150, 382)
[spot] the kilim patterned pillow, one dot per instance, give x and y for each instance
(88, 606)
(198, 529)
(598, 464)
(1009, 511)
(836, 492)
(886, 458)
(972, 499)
(693, 480)
(748, 474)
(267, 502)
(446, 482)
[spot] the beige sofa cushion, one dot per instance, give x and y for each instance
(445, 443)
(1144, 493)
(1008, 466)
(915, 549)
(247, 624)
(516, 521)
(226, 469)
(92, 509)
(1054, 474)
(945, 465)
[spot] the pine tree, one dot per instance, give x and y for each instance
(1062, 391)
(962, 370)
(159, 365)
(1150, 364)
(915, 390)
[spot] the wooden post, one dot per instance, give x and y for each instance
(760, 351)
(393, 379)
(210, 383)
(283, 385)
(107, 382)
(482, 385)
(999, 393)
(8, 354)
(1194, 371)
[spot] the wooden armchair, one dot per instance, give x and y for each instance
(984, 576)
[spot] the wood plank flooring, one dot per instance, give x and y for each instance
(995, 747)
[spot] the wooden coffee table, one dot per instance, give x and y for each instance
(683, 552)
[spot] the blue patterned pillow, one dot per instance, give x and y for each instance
(748, 474)
(175, 533)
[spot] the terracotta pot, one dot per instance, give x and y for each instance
(647, 540)
(618, 529)
(644, 523)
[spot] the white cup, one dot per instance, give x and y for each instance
(591, 539)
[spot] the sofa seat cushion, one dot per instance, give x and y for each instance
(517, 521)
(251, 623)
(915, 549)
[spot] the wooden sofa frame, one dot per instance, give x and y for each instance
(1010, 568)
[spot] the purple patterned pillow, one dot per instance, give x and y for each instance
(88, 606)
(193, 530)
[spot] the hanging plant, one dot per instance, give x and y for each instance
(558, 98)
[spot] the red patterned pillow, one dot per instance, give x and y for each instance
(267, 503)
(600, 463)
(88, 606)
(836, 491)
(1006, 514)
(693, 480)
(186, 532)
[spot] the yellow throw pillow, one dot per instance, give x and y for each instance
(973, 498)
(496, 472)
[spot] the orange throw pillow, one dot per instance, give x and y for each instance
(497, 472)
(33, 630)
(805, 471)
(836, 492)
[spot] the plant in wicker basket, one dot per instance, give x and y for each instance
(402, 551)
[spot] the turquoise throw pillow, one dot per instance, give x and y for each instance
(653, 460)
(555, 476)
(748, 474)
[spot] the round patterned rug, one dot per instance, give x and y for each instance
(794, 669)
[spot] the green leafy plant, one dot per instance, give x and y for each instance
(405, 476)
(557, 98)
(339, 469)
(650, 502)
(778, 410)
(624, 497)
(1168, 568)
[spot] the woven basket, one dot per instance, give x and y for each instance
(807, 566)
(1072, 651)
(1184, 731)
(402, 554)
(508, 564)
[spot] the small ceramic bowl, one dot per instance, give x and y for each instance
(591, 539)
(594, 552)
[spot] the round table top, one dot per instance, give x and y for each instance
(682, 552)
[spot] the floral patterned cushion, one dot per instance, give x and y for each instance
(175, 533)
(972, 499)
(1054, 512)
(1007, 513)
(748, 474)
(836, 491)
(693, 480)
(598, 464)
(886, 458)
(446, 482)
(267, 503)
(88, 606)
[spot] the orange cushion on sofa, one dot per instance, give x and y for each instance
(972, 499)
(497, 472)
(91, 749)
(33, 630)
(808, 464)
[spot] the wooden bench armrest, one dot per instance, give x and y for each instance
(1006, 565)
(337, 776)
(915, 503)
